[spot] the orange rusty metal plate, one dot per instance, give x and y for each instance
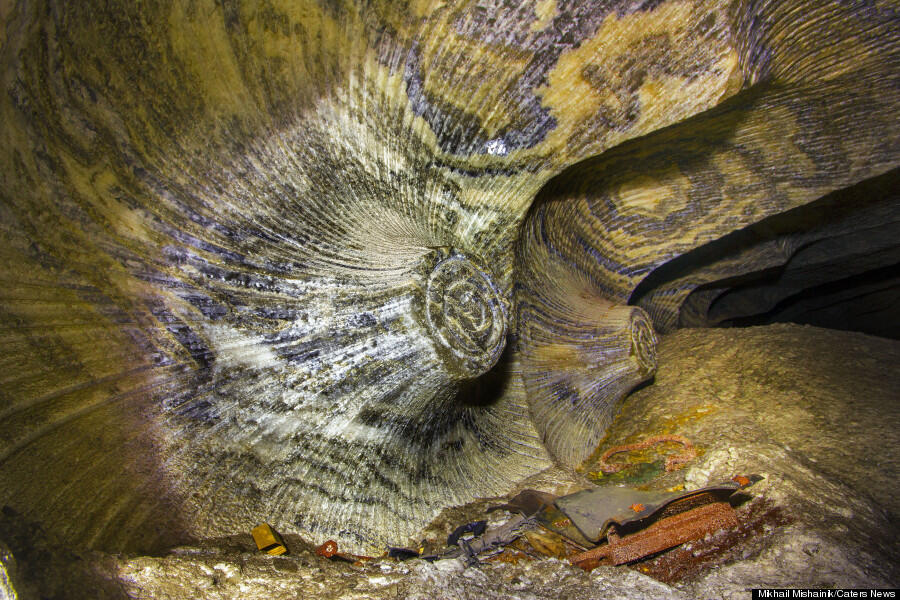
(664, 534)
(673, 531)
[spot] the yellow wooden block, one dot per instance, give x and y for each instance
(267, 540)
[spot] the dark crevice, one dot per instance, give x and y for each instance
(821, 264)
(850, 304)
(486, 389)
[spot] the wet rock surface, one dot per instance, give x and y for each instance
(813, 411)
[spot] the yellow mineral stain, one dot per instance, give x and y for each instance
(676, 423)
(655, 196)
(202, 44)
(557, 353)
(572, 100)
(546, 11)
(300, 46)
(6, 7)
(66, 320)
(473, 77)
(425, 8)
(697, 93)
(778, 150)
(96, 184)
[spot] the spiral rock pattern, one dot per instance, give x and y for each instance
(467, 315)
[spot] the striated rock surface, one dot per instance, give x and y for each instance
(299, 261)
(813, 411)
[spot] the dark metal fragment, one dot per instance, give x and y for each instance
(593, 510)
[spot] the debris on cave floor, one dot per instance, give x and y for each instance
(661, 535)
(594, 511)
(535, 563)
(609, 525)
(813, 411)
(757, 519)
(637, 523)
(267, 540)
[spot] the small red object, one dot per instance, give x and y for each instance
(637, 507)
(328, 549)
(741, 480)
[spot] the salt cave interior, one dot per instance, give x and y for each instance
(361, 269)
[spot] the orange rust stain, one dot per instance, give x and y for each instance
(741, 480)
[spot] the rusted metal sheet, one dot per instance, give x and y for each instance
(593, 511)
(551, 518)
(527, 502)
(664, 534)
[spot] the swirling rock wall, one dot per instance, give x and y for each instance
(815, 116)
(261, 258)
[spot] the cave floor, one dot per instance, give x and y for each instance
(815, 412)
